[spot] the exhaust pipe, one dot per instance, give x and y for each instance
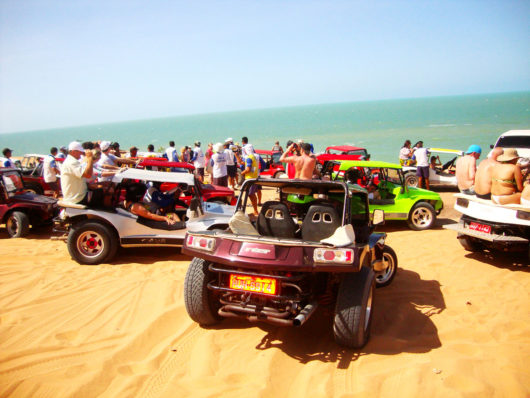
(304, 315)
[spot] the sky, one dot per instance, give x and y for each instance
(71, 63)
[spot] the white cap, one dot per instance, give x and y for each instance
(218, 147)
(229, 139)
(104, 145)
(76, 146)
(249, 149)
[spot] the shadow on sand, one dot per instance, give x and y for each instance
(401, 323)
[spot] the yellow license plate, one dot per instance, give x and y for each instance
(253, 284)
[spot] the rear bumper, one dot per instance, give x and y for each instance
(500, 242)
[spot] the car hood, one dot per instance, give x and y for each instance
(27, 197)
(424, 193)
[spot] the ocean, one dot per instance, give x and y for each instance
(380, 126)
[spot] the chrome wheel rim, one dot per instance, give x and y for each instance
(90, 244)
(421, 217)
(383, 276)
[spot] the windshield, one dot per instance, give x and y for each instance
(392, 175)
(12, 182)
(359, 152)
(514, 141)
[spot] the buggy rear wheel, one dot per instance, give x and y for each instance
(411, 180)
(353, 311)
(198, 299)
(92, 243)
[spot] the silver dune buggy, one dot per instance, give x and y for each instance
(93, 235)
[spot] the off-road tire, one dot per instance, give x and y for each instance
(34, 188)
(17, 224)
(411, 180)
(92, 243)
(384, 278)
(197, 298)
(422, 216)
(353, 310)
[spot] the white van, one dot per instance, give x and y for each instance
(518, 139)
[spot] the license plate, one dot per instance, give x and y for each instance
(475, 226)
(253, 284)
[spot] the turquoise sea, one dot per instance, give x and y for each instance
(380, 126)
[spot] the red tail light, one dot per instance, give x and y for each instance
(341, 256)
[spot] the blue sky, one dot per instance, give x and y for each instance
(70, 63)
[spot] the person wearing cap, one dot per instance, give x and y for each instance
(218, 163)
(507, 179)
(63, 152)
(483, 174)
(231, 168)
(7, 154)
(73, 174)
(466, 167)
(109, 160)
(198, 161)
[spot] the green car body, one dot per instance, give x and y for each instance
(419, 207)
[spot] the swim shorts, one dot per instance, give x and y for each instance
(422, 171)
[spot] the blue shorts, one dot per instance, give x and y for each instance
(422, 171)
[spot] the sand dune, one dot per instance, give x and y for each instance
(451, 324)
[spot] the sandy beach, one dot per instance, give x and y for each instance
(452, 324)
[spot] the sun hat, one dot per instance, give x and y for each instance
(473, 148)
(229, 139)
(104, 145)
(76, 146)
(508, 154)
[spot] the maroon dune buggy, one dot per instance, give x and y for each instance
(314, 243)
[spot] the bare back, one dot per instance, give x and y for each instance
(506, 179)
(483, 176)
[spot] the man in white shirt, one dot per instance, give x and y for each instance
(50, 171)
(422, 164)
(198, 161)
(171, 152)
(109, 159)
(73, 174)
(231, 167)
(218, 163)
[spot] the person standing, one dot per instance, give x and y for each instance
(171, 152)
(231, 168)
(422, 165)
(251, 171)
(277, 147)
(218, 164)
(63, 152)
(198, 161)
(304, 164)
(109, 159)
(466, 168)
(50, 171)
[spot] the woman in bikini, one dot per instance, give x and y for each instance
(506, 179)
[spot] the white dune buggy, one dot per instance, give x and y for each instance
(93, 235)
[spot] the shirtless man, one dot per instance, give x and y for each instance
(304, 164)
(483, 174)
(466, 167)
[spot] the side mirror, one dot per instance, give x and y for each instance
(378, 217)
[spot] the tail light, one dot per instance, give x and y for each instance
(201, 243)
(341, 256)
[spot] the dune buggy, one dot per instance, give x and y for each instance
(312, 246)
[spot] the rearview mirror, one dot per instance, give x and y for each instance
(378, 217)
